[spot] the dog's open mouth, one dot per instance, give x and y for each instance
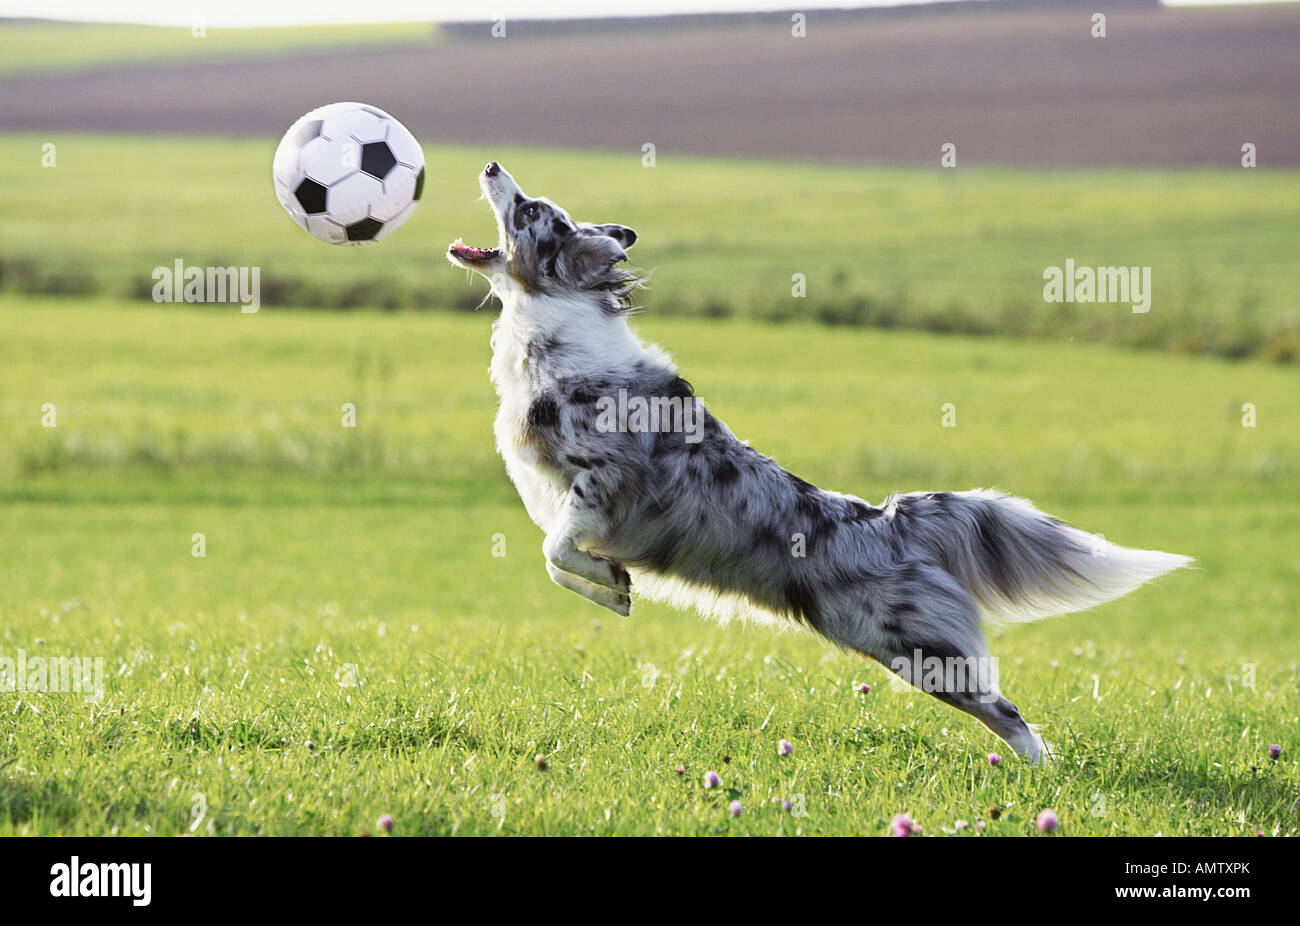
(472, 255)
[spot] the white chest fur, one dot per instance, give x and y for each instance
(540, 487)
(586, 344)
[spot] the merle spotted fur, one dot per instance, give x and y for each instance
(713, 523)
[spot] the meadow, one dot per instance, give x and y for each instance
(350, 646)
(34, 47)
(948, 251)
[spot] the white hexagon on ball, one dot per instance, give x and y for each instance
(363, 123)
(328, 162)
(348, 173)
(352, 198)
(398, 194)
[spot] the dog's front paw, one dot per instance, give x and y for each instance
(619, 579)
(620, 604)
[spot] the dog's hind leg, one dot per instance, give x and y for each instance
(926, 629)
(1002, 717)
(966, 678)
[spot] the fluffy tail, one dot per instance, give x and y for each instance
(1018, 563)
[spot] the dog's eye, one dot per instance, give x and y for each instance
(530, 210)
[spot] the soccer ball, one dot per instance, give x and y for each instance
(348, 173)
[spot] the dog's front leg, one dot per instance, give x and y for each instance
(618, 602)
(580, 523)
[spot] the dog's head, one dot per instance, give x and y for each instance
(542, 250)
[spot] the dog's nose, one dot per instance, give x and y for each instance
(492, 169)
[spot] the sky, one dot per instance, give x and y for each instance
(219, 14)
(229, 14)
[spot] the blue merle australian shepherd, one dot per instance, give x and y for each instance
(638, 486)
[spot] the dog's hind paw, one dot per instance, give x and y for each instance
(1039, 752)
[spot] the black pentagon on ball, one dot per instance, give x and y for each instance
(311, 196)
(377, 159)
(419, 184)
(365, 230)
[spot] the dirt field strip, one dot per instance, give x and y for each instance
(1006, 86)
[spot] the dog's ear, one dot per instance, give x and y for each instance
(620, 233)
(591, 255)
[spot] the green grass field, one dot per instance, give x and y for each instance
(349, 597)
(31, 47)
(939, 250)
